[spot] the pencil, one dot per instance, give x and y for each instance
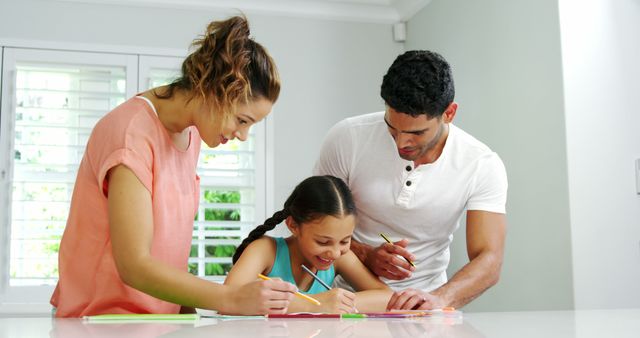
(349, 315)
(315, 277)
(299, 294)
(303, 315)
(321, 281)
(388, 241)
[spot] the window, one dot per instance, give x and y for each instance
(230, 189)
(50, 102)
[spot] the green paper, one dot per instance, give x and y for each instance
(142, 317)
(353, 315)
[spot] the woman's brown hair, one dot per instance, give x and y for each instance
(227, 68)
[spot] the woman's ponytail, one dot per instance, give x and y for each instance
(227, 68)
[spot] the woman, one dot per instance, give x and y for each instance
(126, 244)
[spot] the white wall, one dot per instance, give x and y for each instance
(506, 60)
(329, 69)
(508, 70)
(601, 51)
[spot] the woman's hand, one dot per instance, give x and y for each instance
(337, 300)
(259, 297)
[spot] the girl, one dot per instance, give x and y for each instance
(320, 213)
(128, 235)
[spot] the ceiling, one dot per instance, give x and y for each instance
(378, 11)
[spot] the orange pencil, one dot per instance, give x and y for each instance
(301, 295)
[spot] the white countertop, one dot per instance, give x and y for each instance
(547, 324)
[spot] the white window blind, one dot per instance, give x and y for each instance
(50, 102)
(232, 186)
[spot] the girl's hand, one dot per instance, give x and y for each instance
(337, 300)
(259, 297)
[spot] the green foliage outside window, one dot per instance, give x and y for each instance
(210, 214)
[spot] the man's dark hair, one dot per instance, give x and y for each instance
(418, 82)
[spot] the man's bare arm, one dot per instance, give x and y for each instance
(486, 233)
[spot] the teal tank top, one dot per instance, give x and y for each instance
(282, 269)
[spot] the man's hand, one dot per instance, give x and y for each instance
(385, 262)
(412, 299)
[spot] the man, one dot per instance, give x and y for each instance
(413, 174)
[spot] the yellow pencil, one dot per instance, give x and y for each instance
(388, 241)
(301, 295)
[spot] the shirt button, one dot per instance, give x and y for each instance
(408, 168)
(408, 183)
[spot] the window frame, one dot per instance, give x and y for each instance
(14, 295)
(259, 131)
